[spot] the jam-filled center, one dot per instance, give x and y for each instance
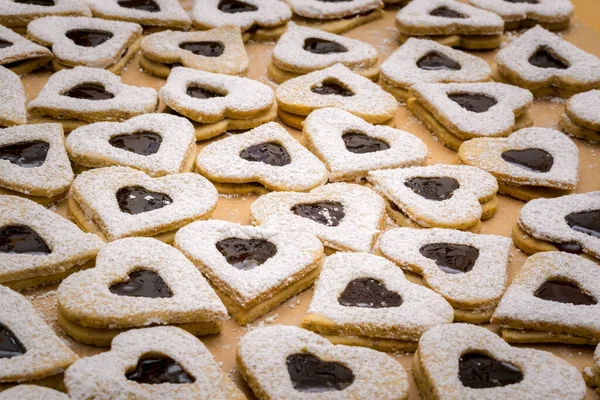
(332, 87)
(587, 222)
(156, 369)
(323, 46)
(309, 373)
(136, 199)
(144, 143)
(246, 254)
(432, 188)
(537, 160)
(25, 154)
(88, 37)
(270, 153)
(544, 58)
(564, 292)
(199, 92)
(523, 1)
(569, 247)
(206, 49)
(450, 257)
(369, 293)
(142, 283)
(5, 43)
(478, 103)
(328, 213)
(45, 3)
(436, 61)
(235, 6)
(10, 345)
(360, 143)
(480, 371)
(446, 12)
(143, 5)
(20, 239)
(89, 91)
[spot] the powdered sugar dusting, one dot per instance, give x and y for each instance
(540, 10)
(269, 14)
(171, 13)
(21, 48)
(12, 106)
(584, 108)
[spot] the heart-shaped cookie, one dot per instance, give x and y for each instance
(580, 118)
(12, 107)
(288, 362)
(16, 15)
(344, 216)
(350, 147)
(158, 144)
(150, 363)
(161, 13)
(550, 14)
(32, 392)
(19, 54)
(365, 300)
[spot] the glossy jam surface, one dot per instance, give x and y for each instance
(436, 61)
(88, 37)
(360, 143)
(437, 189)
(21, 239)
(5, 43)
(329, 213)
(89, 91)
(246, 254)
(206, 49)
(155, 370)
(332, 87)
(10, 345)
(543, 58)
(142, 283)
(47, 3)
(235, 6)
(323, 46)
(198, 92)
(369, 293)
(309, 373)
(447, 13)
(587, 222)
(143, 5)
(25, 154)
(478, 103)
(537, 160)
(479, 371)
(144, 143)
(450, 257)
(564, 292)
(136, 199)
(270, 153)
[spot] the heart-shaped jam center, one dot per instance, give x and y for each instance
(331, 86)
(269, 153)
(199, 92)
(323, 46)
(369, 293)
(435, 61)
(142, 283)
(544, 58)
(480, 371)
(451, 258)
(10, 346)
(45, 3)
(360, 143)
(564, 292)
(143, 5)
(154, 370)
(437, 189)
(206, 49)
(587, 222)
(136, 199)
(478, 103)
(235, 6)
(89, 91)
(309, 373)
(88, 37)
(446, 12)
(246, 254)
(328, 213)
(5, 43)
(144, 143)
(537, 160)
(20, 239)
(25, 154)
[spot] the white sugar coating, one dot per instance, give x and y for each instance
(545, 219)
(193, 197)
(20, 49)
(540, 10)
(415, 17)
(85, 296)
(22, 13)
(324, 130)
(264, 353)
(584, 68)
(318, 9)
(51, 178)
(32, 392)
(520, 304)
(369, 100)
(103, 376)
(51, 31)
(12, 108)
(545, 376)
(585, 107)
(289, 53)
(89, 145)
(221, 161)
(268, 14)
(297, 254)
(45, 354)
(171, 13)
(241, 95)
(482, 286)
(498, 120)
(128, 99)
(487, 153)
(69, 245)
(364, 212)
(420, 310)
(462, 207)
(401, 69)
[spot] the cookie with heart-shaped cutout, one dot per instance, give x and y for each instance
(346, 217)
(553, 299)
(30, 352)
(12, 108)
(32, 392)
(365, 300)
(218, 102)
(158, 144)
(350, 147)
(546, 64)
(150, 363)
(336, 86)
(468, 270)
(553, 15)
(455, 112)
(591, 374)
(451, 23)
(20, 55)
(259, 20)
(568, 223)
(260, 160)
(38, 246)
(462, 361)
(530, 163)
(34, 163)
(75, 97)
(252, 269)
(159, 14)
(427, 61)
(91, 42)
(293, 363)
(581, 118)
(116, 202)
(137, 282)
(217, 50)
(438, 196)
(18, 14)
(302, 50)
